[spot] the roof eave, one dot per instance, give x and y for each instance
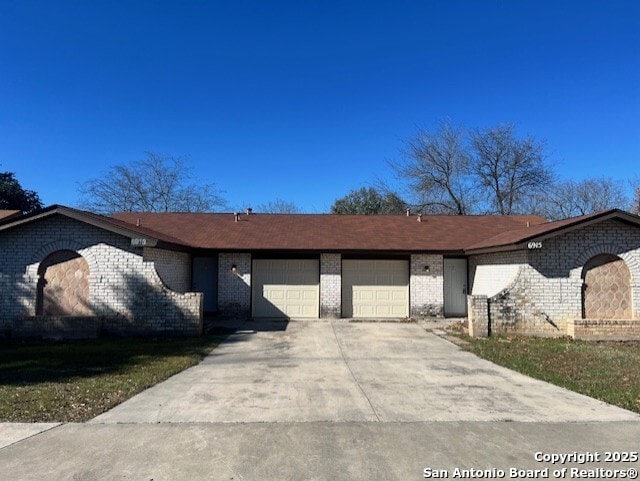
(578, 224)
(332, 250)
(83, 217)
(493, 249)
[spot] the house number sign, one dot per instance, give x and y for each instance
(534, 245)
(138, 241)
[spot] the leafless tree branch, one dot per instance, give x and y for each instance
(157, 183)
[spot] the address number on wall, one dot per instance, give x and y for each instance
(535, 245)
(138, 241)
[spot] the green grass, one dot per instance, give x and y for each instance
(609, 371)
(74, 381)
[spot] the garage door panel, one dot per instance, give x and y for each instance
(375, 288)
(365, 295)
(293, 295)
(274, 294)
(366, 310)
(309, 311)
(399, 296)
(309, 295)
(285, 288)
(383, 296)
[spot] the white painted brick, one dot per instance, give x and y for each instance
(330, 285)
(115, 268)
(547, 289)
(426, 289)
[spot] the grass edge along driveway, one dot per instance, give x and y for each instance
(608, 371)
(74, 381)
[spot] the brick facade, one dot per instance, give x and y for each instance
(604, 329)
(130, 290)
(546, 293)
(126, 293)
(426, 288)
(330, 286)
(234, 286)
(56, 327)
(478, 309)
(174, 268)
(492, 273)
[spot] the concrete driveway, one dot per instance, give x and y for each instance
(248, 413)
(355, 372)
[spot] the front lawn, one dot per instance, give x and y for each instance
(74, 381)
(609, 371)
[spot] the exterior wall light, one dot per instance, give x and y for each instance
(234, 268)
(427, 269)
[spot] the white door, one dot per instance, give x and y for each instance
(285, 288)
(455, 287)
(375, 288)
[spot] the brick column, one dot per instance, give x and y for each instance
(234, 288)
(330, 285)
(426, 287)
(478, 309)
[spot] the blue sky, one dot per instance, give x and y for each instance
(306, 100)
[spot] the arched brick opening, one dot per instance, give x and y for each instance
(606, 288)
(63, 285)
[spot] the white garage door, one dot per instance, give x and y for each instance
(375, 288)
(285, 288)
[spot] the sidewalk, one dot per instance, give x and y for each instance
(302, 451)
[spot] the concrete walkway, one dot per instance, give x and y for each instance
(303, 451)
(352, 372)
(11, 433)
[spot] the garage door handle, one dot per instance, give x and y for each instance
(464, 290)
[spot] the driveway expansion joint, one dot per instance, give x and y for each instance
(14, 433)
(355, 379)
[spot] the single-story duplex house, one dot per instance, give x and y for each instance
(71, 271)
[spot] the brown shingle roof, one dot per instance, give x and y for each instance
(8, 214)
(326, 232)
(122, 224)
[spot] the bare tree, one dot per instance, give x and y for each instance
(436, 166)
(636, 202)
(509, 170)
(572, 198)
(489, 171)
(157, 183)
(369, 201)
(279, 206)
